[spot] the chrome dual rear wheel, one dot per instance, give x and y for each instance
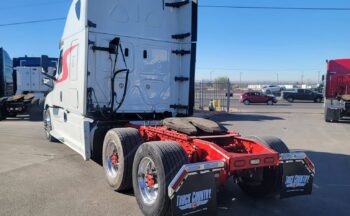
(155, 165)
(118, 152)
(148, 181)
(112, 159)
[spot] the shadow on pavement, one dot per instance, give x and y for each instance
(243, 117)
(331, 193)
(345, 120)
(128, 192)
(305, 102)
(33, 118)
(265, 105)
(15, 119)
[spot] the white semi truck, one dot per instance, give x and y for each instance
(124, 60)
(124, 65)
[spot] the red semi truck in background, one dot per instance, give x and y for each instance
(337, 90)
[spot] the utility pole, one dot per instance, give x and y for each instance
(240, 79)
(277, 79)
(302, 77)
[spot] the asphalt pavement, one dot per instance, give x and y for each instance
(42, 178)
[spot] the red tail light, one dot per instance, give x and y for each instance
(269, 160)
(239, 163)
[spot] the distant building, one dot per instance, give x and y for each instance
(255, 87)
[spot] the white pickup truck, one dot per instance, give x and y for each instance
(273, 89)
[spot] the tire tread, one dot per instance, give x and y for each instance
(173, 157)
(130, 139)
(271, 184)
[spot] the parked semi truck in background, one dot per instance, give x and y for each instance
(22, 89)
(6, 74)
(337, 90)
(124, 65)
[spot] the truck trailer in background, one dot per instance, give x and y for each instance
(337, 90)
(22, 88)
(28, 76)
(6, 74)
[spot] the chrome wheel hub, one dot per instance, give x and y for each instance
(147, 179)
(112, 159)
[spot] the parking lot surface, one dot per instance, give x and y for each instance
(42, 178)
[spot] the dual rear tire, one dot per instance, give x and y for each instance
(148, 168)
(119, 148)
(165, 159)
(264, 182)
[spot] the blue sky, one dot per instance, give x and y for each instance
(258, 44)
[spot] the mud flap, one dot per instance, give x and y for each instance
(298, 174)
(333, 114)
(193, 190)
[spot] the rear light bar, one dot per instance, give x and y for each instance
(193, 169)
(253, 162)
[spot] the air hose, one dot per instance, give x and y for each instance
(115, 73)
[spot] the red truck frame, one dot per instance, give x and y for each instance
(238, 153)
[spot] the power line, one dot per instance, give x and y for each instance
(31, 22)
(276, 8)
(202, 6)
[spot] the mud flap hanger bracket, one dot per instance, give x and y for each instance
(193, 169)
